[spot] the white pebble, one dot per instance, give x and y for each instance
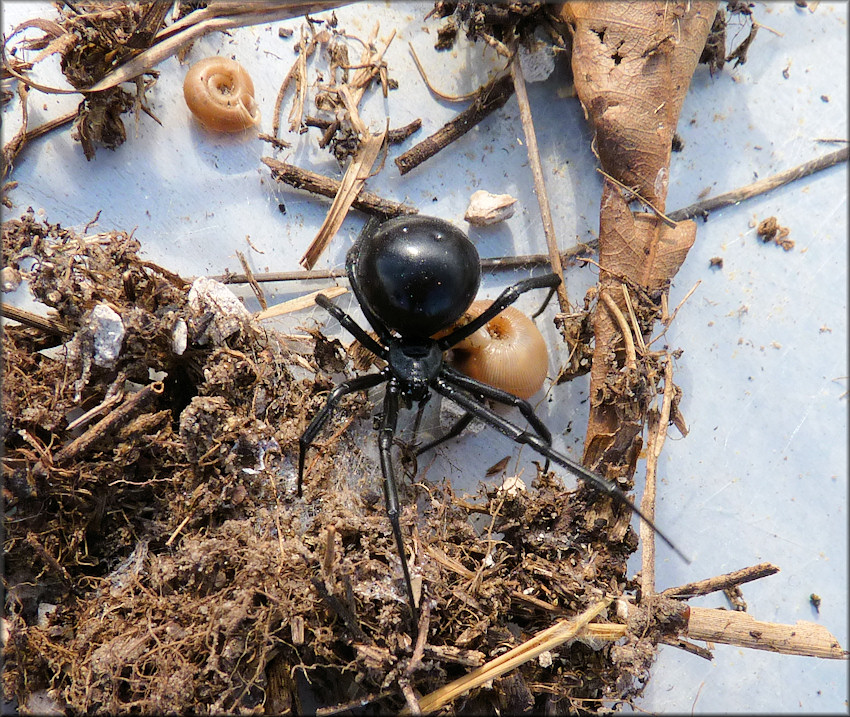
(486, 208)
(108, 331)
(179, 337)
(208, 295)
(10, 279)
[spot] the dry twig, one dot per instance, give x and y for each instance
(657, 429)
(328, 187)
(499, 263)
(302, 302)
(549, 639)
(539, 182)
(108, 423)
(355, 176)
(217, 16)
(252, 282)
(36, 321)
(721, 582)
(742, 629)
(488, 99)
(763, 185)
(628, 338)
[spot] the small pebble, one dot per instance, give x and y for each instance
(486, 208)
(108, 331)
(10, 279)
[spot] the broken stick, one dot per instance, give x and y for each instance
(328, 187)
(489, 98)
(739, 628)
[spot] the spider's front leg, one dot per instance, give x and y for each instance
(444, 387)
(352, 326)
(360, 383)
(456, 378)
(503, 301)
(385, 444)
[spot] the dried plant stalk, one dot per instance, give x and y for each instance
(549, 639)
(302, 302)
(355, 177)
(218, 16)
(328, 187)
(739, 628)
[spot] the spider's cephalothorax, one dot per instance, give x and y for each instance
(413, 278)
(415, 365)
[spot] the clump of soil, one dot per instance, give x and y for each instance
(159, 560)
(499, 21)
(770, 231)
(92, 39)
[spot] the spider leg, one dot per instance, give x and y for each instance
(456, 378)
(351, 326)
(360, 383)
(549, 295)
(459, 380)
(385, 444)
(505, 299)
(515, 433)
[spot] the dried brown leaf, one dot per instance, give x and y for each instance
(639, 247)
(644, 253)
(632, 64)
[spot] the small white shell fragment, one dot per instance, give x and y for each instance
(486, 208)
(512, 485)
(10, 279)
(108, 332)
(208, 295)
(544, 659)
(179, 337)
(538, 62)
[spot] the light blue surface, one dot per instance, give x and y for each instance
(762, 476)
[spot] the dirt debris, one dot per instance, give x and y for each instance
(92, 39)
(769, 231)
(488, 21)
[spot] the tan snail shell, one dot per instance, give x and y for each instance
(220, 94)
(508, 352)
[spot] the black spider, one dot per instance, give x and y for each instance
(413, 277)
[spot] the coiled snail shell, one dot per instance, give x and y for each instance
(220, 93)
(508, 352)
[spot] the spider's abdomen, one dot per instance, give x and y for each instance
(507, 353)
(418, 274)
